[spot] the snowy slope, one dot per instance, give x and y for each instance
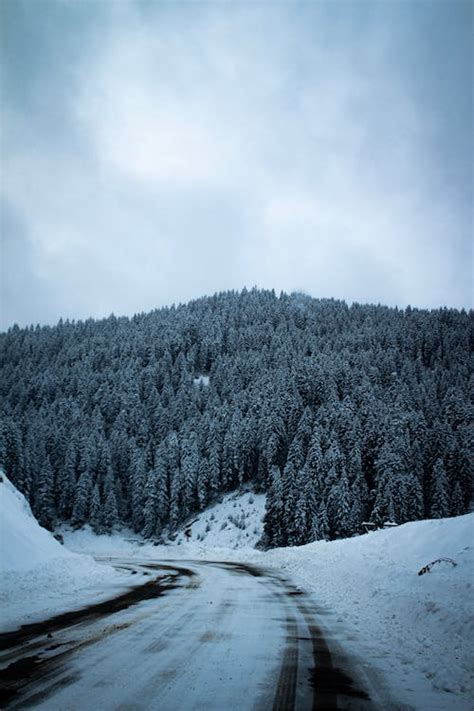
(235, 522)
(24, 544)
(39, 576)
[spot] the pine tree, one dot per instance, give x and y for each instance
(82, 495)
(110, 517)
(150, 513)
(137, 488)
(95, 510)
(457, 503)
(12, 456)
(189, 472)
(203, 483)
(67, 482)
(339, 509)
(439, 497)
(273, 534)
(44, 507)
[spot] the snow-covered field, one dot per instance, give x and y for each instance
(39, 576)
(412, 635)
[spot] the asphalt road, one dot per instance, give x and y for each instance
(196, 635)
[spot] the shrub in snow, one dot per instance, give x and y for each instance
(427, 568)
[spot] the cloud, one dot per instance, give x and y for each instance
(204, 147)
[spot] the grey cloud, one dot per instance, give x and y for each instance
(179, 149)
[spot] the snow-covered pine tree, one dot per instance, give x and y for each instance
(439, 491)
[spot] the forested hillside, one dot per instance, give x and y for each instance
(340, 414)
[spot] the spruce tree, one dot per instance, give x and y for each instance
(439, 495)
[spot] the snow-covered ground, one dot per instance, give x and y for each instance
(39, 576)
(413, 635)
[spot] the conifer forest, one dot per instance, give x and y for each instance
(340, 414)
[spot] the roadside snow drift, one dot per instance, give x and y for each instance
(39, 576)
(24, 544)
(415, 631)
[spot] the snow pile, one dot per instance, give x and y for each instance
(39, 576)
(122, 543)
(235, 522)
(416, 631)
(24, 543)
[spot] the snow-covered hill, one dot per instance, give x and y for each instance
(38, 576)
(235, 522)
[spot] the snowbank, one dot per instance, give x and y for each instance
(415, 632)
(39, 576)
(24, 544)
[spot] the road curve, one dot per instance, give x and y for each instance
(197, 635)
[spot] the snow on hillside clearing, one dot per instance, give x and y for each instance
(39, 576)
(228, 527)
(235, 522)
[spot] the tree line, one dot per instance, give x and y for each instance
(340, 414)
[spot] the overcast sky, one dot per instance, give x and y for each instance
(155, 152)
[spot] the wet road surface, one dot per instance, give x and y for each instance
(196, 635)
